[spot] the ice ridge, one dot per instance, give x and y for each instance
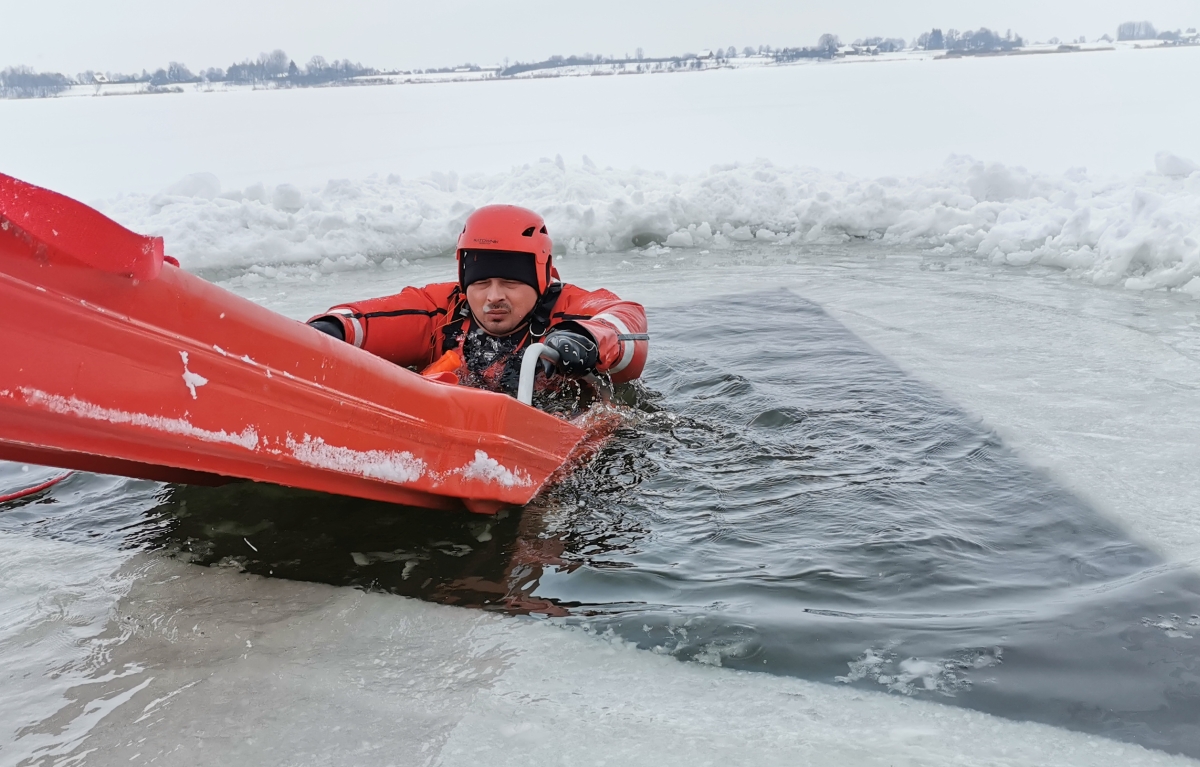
(1140, 232)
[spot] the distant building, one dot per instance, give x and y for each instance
(99, 79)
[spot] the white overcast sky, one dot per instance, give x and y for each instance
(128, 35)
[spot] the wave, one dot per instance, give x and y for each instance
(1141, 232)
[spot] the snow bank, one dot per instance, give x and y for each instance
(1141, 232)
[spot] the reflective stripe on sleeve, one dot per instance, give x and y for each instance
(626, 347)
(354, 323)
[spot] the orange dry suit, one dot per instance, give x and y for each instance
(417, 326)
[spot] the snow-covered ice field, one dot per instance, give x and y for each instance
(1108, 112)
(1057, 304)
(1081, 162)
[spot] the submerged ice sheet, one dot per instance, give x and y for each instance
(64, 565)
(218, 667)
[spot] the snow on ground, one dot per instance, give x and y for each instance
(1108, 111)
(242, 178)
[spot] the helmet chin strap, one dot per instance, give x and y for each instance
(539, 318)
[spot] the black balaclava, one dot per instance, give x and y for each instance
(506, 264)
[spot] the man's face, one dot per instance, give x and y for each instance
(500, 305)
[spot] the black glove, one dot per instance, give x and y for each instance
(329, 327)
(577, 351)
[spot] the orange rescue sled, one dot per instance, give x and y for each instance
(116, 363)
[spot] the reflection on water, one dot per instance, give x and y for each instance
(786, 500)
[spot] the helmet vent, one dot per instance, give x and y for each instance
(529, 232)
(544, 229)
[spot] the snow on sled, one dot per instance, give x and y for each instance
(126, 364)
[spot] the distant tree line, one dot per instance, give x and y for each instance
(639, 62)
(881, 44)
(277, 68)
(826, 48)
(24, 83)
(830, 45)
(552, 63)
(1144, 30)
(1136, 30)
(274, 67)
(982, 40)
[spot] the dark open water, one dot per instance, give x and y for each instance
(786, 501)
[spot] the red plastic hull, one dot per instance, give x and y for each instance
(168, 377)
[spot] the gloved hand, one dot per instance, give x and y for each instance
(578, 354)
(329, 327)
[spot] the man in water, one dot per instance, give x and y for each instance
(507, 296)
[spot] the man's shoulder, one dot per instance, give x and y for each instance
(438, 292)
(446, 287)
(573, 294)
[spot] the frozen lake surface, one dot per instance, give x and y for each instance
(1109, 112)
(941, 497)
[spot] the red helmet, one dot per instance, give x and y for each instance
(508, 228)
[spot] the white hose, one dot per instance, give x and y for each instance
(529, 368)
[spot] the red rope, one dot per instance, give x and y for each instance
(35, 489)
